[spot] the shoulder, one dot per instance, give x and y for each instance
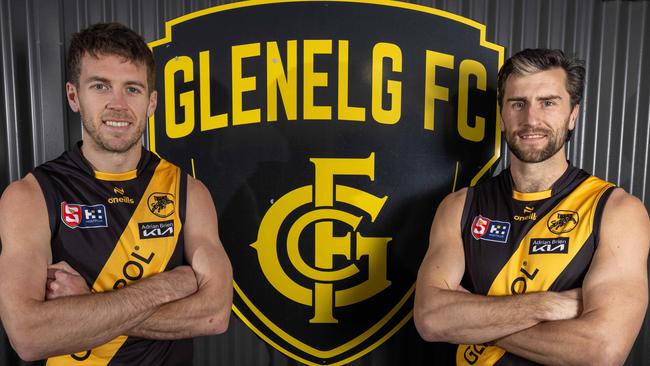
(454, 201)
(199, 198)
(625, 220)
(21, 193)
(623, 204)
(195, 186)
(450, 211)
(23, 214)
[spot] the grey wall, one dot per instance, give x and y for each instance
(611, 140)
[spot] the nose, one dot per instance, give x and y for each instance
(532, 114)
(117, 101)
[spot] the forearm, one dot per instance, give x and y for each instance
(588, 340)
(461, 317)
(206, 312)
(76, 323)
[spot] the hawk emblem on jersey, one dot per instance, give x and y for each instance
(563, 221)
(83, 216)
(161, 204)
(491, 230)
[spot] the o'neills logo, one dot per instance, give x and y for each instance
(327, 133)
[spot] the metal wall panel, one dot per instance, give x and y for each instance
(611, 139)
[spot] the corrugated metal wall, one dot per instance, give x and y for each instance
(612, 139)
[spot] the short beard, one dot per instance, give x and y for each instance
(106, 145)
(555, 144)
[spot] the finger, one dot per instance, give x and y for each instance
(53, 286)
(51, 273)
(63, 265)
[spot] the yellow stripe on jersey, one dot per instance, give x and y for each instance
(133, 258)
(525, 272)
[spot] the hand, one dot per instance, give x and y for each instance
(566, 305)
(63, 280)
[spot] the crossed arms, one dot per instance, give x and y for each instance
(54, 307)
(601, 320)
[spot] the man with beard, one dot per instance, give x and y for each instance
(543, 263)
(109, 253)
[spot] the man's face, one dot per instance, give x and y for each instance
(537, 115)
(113, 100)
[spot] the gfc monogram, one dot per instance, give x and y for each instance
(353, 246)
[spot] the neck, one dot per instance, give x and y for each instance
(111, 162)
(537, 177)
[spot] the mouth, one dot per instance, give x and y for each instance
(117, 124)
(531, 135)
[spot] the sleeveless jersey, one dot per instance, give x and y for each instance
(115, 229)
(528, 242)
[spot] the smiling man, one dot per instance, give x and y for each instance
(544, 263)
(109, 253)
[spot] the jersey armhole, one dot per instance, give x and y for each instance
(598, 214)
(466, 207)
(50, 200)
(182, 195)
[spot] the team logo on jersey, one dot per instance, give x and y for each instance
(549, 245)
(161, 204)
(491, 230)
(563, 221)
(83, 216)
(151, 230)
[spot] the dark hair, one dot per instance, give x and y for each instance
(530, 61)
(109, 39)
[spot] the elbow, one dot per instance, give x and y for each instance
(218, 319)
(24, 345)
(608, 353)
(426, 326)
(214, 325)
(220, 326)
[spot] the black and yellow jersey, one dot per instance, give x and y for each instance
(115, 229)
(528, 242)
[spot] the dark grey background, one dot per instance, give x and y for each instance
(611, 140)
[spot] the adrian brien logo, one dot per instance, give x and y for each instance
(161, 204)
(322, 285)
(83, 216)
(562, 221)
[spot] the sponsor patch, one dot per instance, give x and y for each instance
(562, 221)
(151, 230)
(491, 230)
(549, 245)
(83, 216)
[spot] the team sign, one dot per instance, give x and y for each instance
(327, 132)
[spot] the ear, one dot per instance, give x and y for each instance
(72, 96)
(153, 102)
(574, 116)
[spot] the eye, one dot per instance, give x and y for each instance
(518, 106)
(99, 86)
(549, 103)
(133, 90)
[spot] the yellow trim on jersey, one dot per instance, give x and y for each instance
(133, 258)
(525, 272)
(116, 177)
(531, 196)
